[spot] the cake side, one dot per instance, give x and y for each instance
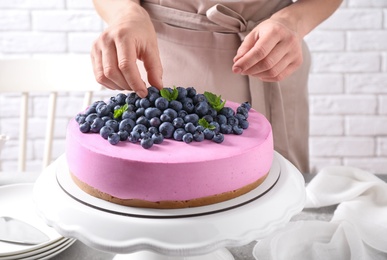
(169, 204)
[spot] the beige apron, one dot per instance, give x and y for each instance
(198, 40)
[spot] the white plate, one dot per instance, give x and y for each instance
(124, 234)
(16, 201)
(67, 184)
(42, 251)
(52, 252)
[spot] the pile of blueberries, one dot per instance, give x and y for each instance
(187, 117)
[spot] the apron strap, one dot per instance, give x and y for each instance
(218, 18)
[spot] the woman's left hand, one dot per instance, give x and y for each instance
(271, 51)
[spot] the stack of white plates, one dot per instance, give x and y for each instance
(16, 201)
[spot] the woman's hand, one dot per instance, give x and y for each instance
(271, 51)
(129, 36)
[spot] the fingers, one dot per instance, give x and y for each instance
(270, 52)
(127, 66)
(152, 64)
(254, 49)
(96, 60)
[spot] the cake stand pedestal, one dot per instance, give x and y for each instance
(194, 233)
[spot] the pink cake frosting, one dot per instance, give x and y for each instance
(173, 170)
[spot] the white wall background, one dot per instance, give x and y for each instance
(348, 81)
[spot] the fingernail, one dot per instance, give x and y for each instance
(237, 70)
(142, 93)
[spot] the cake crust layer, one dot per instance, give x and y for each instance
(168, 204)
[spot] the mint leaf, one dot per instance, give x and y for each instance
(165, 93)
(204, 123)
(118, 112)
(215, 101)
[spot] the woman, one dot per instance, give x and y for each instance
(243, 50)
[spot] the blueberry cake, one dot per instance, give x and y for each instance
(173, 149)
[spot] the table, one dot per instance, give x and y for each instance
(80, 251)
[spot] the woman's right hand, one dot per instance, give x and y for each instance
(129, 36)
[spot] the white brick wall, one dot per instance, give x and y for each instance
(348, 80)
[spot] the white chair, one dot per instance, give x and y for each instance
(49, 76)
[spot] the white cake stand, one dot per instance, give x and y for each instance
(195, 233)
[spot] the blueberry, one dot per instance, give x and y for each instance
(147, 142)
(139, 128)
(145, 103)
(137, 103)
(153, 89)
(237, 130)
(188, 106)
(131, 98)
(146, 134)
(208, 134)
(182, 113)
(198, 136)
(106, 131)
(88, 111)
(199, 98)
(191, 118)
(161, 103)
(188, 138)
(199, 128)
(102, 110)
(227, 111)
(129, 114)
(191, 92)
(140, 111)
(165, 118)
(112, 104)
(216, 125)
(218, 138)
(208, 118)
(246, 105)
(134, 136)
(178, 122)
(121, 98)
(170, 112)
(182, 93)
(221, 119)
(190, 128)
(95, 104)
(127, 125)
(131, 107)
(84, 127)
(80, 118)
(153, 129)
(106, 118)
(155, 121)
(243, 111)
(176, 105)
(113, 124)
(123, 135)
(201, 108)
(143, 121)
(90, 118)
(212, 112)
(152, 97)
(157, 138)
(166, 129)
(114, 138)
(244, 124)
(225, 129)
(178, 134)
(97, 124)
(232, 120)
(240, 117)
